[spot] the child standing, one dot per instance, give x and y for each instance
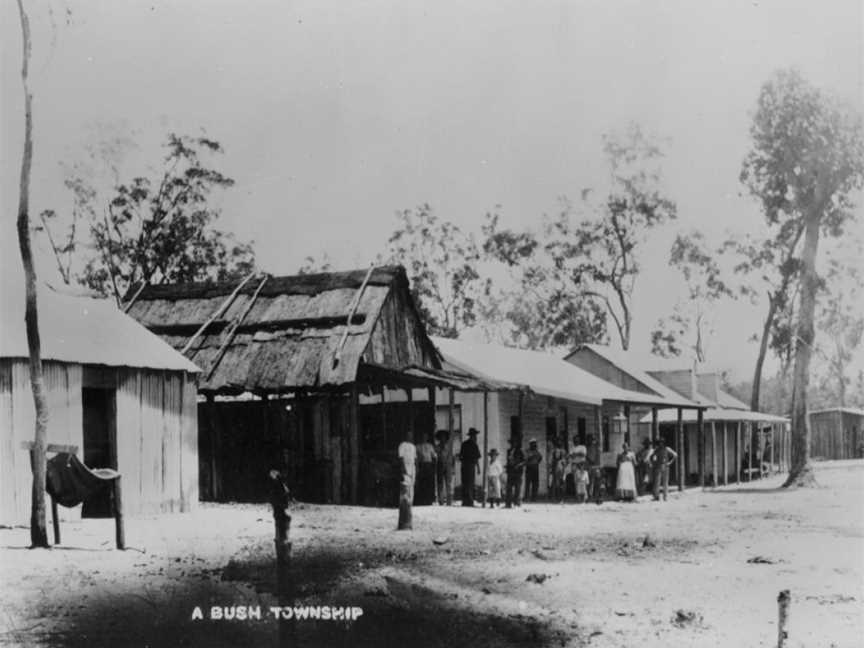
(581, 480)
(494, 478)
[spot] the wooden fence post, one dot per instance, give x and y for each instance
(782, 617)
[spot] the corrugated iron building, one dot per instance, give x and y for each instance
(321, 375)
(106, 378)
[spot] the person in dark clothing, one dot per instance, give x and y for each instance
(532, 471)
(426, 463)
(515, 466)
(469, 455)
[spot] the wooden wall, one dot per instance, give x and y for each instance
(156, 432)
(399, 338)
(835, 435)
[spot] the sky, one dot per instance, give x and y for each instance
(334, 115)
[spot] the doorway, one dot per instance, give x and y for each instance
(99, 422)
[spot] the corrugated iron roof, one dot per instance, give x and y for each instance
(83, 330)
(543, 373)
(628, 366)
(844, 410)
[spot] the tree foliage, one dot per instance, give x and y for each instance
(805, 163)
(539, 309)
(588, 255)
(152, 230)
(441, 261)
(691, 323)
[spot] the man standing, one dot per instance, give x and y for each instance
(643, 466)
(532, 471)
(661, 459)
(469, 455)
(515, 466)
(446, 464)
(426, 457)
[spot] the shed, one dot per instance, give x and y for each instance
(837, 433)
(106, 377)
(320, 375)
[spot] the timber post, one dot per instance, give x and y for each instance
(279, 499)
(598, 438)
(771, 455)
(679, 434)
(117, 490)
(713, 454)
(451, 469)
(750, 452)
(55, 521)
(354, 442)
(700, 445)
(430, 392)
(725, 450)
(738, 452)
(655, 426)
(627, 435)
(485, 459)
(783, 600)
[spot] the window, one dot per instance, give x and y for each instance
(582, 431)
(515, 427)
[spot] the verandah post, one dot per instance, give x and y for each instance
(738, 452)
(679, 428)
(725, 448)
(700, 443)
(485, 445)
(713, 454)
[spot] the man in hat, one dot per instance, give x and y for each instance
(515, 467)
(446, 466)
(643, 465)
(469, 455)
(532, 471)
(661, 459)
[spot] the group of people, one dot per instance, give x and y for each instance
(432, 464)
(649, 468)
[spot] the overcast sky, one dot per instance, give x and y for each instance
(336, 114)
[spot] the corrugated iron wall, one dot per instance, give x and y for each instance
(157, 436)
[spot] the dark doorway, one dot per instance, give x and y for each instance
(99, 421)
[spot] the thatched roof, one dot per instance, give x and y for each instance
(286, 333)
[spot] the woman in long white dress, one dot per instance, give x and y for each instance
(625, 486)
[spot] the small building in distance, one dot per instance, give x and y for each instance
(837, 433)
(114, 390)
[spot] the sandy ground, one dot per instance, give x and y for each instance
(463, 576)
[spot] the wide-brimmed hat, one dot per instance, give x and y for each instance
(473, 432)
(532, 442)
(493, 452)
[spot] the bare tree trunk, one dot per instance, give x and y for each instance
(801, 472)
(763, 349)
(38, 531)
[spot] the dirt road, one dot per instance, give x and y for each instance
(703, 569)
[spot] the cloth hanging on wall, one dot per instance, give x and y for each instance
(70, 482)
